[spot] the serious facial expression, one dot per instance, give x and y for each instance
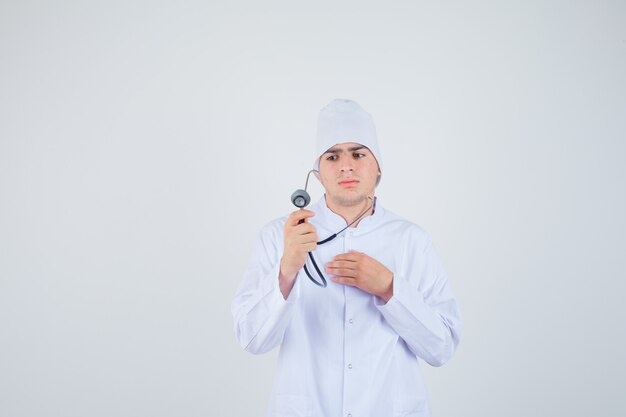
(348, 172)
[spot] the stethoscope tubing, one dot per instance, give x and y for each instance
(323, 282)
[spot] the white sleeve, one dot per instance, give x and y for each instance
(259, 311)
(423, 310)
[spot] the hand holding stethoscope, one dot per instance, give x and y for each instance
(301, 236)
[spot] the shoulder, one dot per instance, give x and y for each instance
(391, 219)
(408, 232)
(274, 227)
(270, 237)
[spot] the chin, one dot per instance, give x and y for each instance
(349, 201)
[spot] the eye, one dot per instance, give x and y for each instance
(358, 155)
(331, 158)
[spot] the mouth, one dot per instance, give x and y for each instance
(348, 182)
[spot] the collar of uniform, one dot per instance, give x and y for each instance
(326, 217)
(334, 222)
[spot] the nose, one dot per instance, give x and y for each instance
(348, 165)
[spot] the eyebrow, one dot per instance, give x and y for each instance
(350, 149)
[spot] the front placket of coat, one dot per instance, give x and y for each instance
(350, 383)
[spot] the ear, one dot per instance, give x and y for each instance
(319, 178)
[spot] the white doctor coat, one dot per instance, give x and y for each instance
(344, 352)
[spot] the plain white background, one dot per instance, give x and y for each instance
(143, 144)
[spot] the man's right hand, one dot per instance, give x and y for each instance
(300, 238)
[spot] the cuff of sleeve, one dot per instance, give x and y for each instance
(270, 317)
(277, 296)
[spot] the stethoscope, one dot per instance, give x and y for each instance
(301, 199)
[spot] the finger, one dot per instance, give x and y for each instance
(297, 233)
(352, 257)
(305, 239)
(298, 215)
(342, 264)
(304, 228)
(344, 280)
(342, 272)
(297, 236)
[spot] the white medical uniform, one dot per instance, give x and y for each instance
(344, 352)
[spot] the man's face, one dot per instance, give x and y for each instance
(348, 172)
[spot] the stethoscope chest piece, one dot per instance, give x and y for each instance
(300, 198)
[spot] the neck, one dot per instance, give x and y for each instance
(349, 213)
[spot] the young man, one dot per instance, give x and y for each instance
(350, 349)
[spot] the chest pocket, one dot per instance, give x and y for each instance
(291, 406)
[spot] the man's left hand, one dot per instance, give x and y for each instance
(359, 270)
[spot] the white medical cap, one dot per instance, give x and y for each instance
(341, 121)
